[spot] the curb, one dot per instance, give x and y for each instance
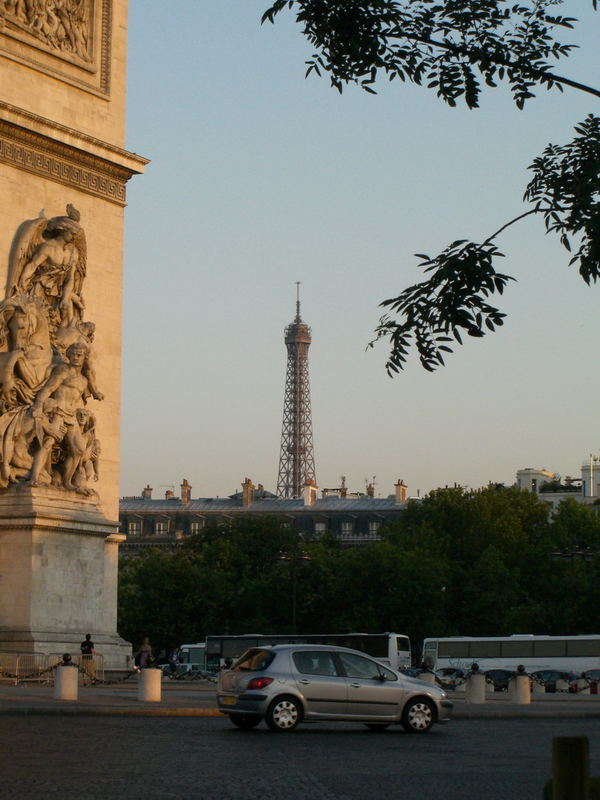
(541, 714)
(110, 712)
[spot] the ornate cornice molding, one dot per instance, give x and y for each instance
(63, 163)
(55, 510)
(54, 526)
(22, 118)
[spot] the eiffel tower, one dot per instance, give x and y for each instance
(296, 460)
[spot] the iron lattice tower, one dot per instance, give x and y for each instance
(296, 460)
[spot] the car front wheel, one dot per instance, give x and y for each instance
(418, 716)
(283, 714)
(245, 721)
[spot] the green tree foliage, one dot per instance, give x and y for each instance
(459, 562)
(576, 527)
(456, 48)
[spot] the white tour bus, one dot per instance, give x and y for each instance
(392, 649)
(563, 653)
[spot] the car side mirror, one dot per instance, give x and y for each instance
(381, 677)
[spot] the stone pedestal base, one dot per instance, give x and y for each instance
(58, 574)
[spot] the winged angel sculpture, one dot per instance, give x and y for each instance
(47, 435)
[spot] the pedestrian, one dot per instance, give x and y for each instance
(144, 657)
(173, 660)
(87, 656)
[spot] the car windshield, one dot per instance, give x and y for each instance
(254, 660)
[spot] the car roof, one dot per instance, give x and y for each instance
(278, 648)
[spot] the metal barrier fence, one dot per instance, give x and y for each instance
(20, 667)
(39, 667)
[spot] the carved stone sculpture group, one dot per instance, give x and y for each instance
(47, 434)
(60, 24)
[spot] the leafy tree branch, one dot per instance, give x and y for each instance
(456, 47)
(565, 190)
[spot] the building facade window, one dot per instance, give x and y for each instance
(196, 526)
(161, 528)
(347, 529)
(320, 528)
(374, 526)
(134, 528)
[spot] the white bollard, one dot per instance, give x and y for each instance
(66, 682)
(521, 690)
(149, 688)
(428, 677)
(562, 685)
(538, 688)
(475, 691)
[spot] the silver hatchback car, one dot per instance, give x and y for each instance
(289, 683)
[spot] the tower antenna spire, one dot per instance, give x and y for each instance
(296, 460)
(298, 319)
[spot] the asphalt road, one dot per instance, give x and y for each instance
(134, 757)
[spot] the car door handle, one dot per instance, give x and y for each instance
(303, 681)
(355, 685)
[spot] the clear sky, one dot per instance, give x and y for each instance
(260, 178)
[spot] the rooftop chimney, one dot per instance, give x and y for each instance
(370, 490)
(309, 493)
(169, 494)
(401, 491)
(147, 492)
(186, 492)
(343, 489)
(247, 492)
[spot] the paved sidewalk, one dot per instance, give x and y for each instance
(183, 698)
(197, 699)
(542, 706)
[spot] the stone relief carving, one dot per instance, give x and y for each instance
(62, 25)
(47, 435)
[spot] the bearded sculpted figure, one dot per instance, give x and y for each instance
(47, 435)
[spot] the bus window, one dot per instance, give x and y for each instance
(402, 644)
(376, 646)
(453, 649)
(517, 649)
(484, 649)
(213, 646)
(429, 655)
(549, 648)
(233, 648)
(583, 647)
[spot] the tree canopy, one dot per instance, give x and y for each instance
(487, 562)
(456, 48)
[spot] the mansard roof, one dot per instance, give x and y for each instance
(267, 505)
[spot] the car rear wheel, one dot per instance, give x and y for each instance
(376, 726)
(418, 716)
(245, 721)
(283, 714)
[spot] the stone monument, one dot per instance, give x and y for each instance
(63, 170)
